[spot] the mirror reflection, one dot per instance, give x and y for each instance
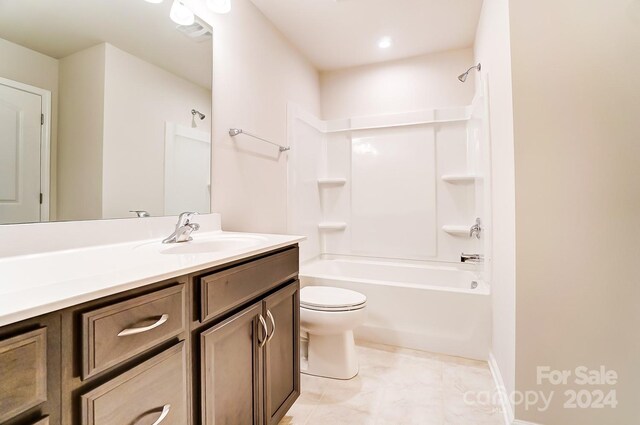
(105, 111)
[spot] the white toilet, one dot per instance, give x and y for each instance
(329, 315)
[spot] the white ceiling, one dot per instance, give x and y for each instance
(337, 34)
(58, 28)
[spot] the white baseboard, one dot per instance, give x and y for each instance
(505, 404)
(507, 410)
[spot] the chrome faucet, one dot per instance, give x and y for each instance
(184, 227)
(471, 258)
(476, 229)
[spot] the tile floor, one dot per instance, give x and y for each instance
(397, 386)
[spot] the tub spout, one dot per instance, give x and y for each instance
(471, 258)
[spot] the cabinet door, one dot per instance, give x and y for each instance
(282, 352)
(231, 361)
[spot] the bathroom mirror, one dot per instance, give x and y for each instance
(105, 111)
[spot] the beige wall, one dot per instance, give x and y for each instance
(492, 49)
(80, 134)
(256, 72)
(35, 69)
(139, 99)
(423, 82)
(577, 156)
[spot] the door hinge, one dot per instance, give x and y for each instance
(41, 198)
(41, 119)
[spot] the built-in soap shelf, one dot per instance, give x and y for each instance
(456, 230)
(327, 182)
(332, 225)
(459, 178)
(332, 181)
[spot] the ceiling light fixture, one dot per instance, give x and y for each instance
(219, 6)
(154, 1)
(385, 42)
(181, 14)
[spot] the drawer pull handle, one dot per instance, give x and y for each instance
(273, 323)
(134, 331)
(265, 329)
(165, 412)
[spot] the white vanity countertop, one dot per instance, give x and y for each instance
(31, 285)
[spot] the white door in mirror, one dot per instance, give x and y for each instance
(187, 174)
(20, 131)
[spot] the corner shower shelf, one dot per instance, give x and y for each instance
(332, 181)
(332, 225)
(456, 230)
(459, 178)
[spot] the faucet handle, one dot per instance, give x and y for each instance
(476, 229)
(185, 218)
(140, 213)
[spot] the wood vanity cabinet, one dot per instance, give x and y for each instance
(282, 352)
(249, 362)
(218, 346)
(249, 355)
(153, 392)
(230, 370)
(30, 372)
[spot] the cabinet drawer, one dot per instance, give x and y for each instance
(23, 372)
(143, 395)
(224, 290)
(120, 331)
(43, 421)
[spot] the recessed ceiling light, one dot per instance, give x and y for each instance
(385, 42)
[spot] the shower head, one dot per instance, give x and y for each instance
(198, 113)
(463, 77)
(193, 117)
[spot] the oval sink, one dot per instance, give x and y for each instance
(217, 244)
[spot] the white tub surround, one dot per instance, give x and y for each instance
(119, 255)
(413, 305)
(344, 176)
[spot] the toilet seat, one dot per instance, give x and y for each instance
(330, 299)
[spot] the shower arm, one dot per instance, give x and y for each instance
(477, 67)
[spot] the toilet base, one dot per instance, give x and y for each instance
(332, 356)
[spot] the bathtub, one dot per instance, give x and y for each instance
(443, 309)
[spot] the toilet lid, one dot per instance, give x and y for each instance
(330, 298)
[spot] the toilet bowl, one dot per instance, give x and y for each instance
(328, 315)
